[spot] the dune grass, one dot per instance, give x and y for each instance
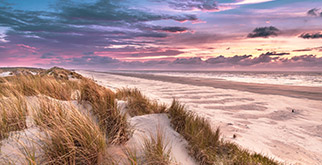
(105, 109)
(73, 137)
(131, 156)
(13, 112)
(138, 104)
(55, 84)
(156, 149)
(47, 85)
(205, 144)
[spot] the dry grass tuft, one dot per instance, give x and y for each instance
(105, 109)
(156, 149)
(131, 157)
(13, 111)
(205, 145)
(73, 138)
(34, 85)
(138, 104)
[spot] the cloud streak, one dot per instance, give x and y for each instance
(315, 12)
(267, 60)
(243, 2)
(203, 5)
(311, 35)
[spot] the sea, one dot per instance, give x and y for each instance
(277, 77)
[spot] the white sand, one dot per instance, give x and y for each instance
(262, 123)
(147, 125)
(5, 74)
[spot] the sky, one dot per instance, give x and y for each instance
(162, 34)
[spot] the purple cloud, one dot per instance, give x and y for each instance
(264, 32)
(311, 35)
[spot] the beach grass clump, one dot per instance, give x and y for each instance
(156, 149)
(13, 112)
(105, 109)
(46, 85)
(101, 99)
(205, 144)
(138, 104)
(72, 137)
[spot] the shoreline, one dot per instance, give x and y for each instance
(313, 93)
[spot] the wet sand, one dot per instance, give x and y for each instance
(314, 93)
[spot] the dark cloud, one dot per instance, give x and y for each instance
(88, 53)
(99, 61)
(79, 27)
(309, 49)
(245, 60)
(239, 60)
(311, 35)
(158, 53)
(189, 61)
(204, 5)
(174, 29)
(303, 50)
(275, 54)
(266, 61)
(170, 29)
(182, 18)
(315, 12)
(111, 12)
(264, 32)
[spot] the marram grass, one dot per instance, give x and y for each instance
(205, 144)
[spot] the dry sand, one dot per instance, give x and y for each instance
(314, 93)
(260, 115)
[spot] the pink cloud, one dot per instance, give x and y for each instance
(26, 46)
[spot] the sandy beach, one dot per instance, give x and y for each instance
(283, 122)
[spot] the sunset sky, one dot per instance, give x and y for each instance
(162, 34)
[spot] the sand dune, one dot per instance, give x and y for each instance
(280, 121)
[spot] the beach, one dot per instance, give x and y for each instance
(280, 121)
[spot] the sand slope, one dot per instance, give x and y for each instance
(147, 125)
